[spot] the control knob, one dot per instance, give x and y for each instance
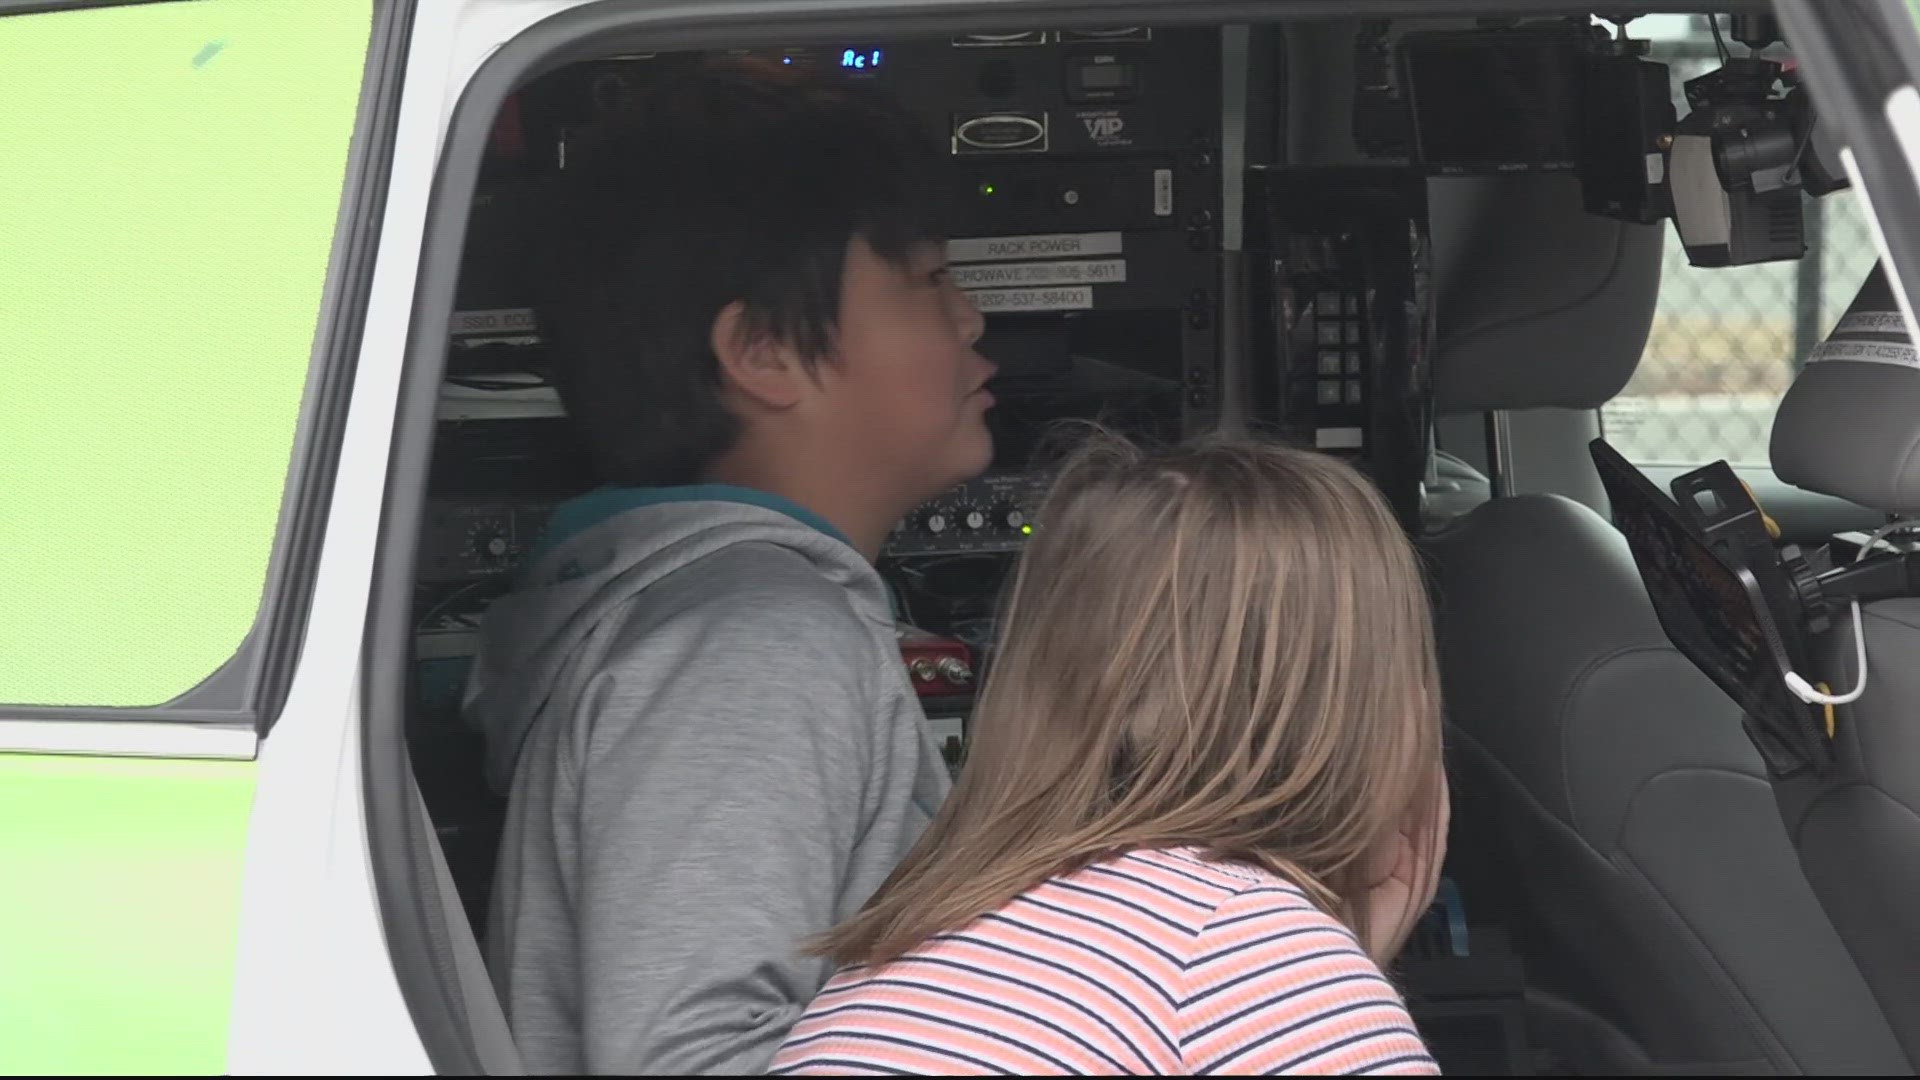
(488, 542)
(972, 518)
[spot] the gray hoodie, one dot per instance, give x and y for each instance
(697, 700)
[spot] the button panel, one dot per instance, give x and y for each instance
(1339, 340)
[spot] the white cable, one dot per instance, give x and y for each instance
(1811, 696)
(1800, 687)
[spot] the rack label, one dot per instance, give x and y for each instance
(1044, 246)
(1106, 128)
(493, 321)
(1069, 298)
(1004, 275)
(1162, 192)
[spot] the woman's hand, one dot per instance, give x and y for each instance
(1399, 880)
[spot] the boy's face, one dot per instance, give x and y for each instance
(905, 395)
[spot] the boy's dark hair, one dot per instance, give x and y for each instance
(727, 180)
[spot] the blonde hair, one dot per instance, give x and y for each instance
(1224, 645)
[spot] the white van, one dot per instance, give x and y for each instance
(233, 241)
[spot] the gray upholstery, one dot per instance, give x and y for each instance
(1610, 806)
(1858, 831)
(1540, 304)
(1850, 426)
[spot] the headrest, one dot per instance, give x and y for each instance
(1850, 423)
(1540, 304)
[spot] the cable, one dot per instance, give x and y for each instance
(1800, 687)
(1719, 43)
(1800, 152)
(447, 602)
(902, 610)
(1811, 696)
(496, 385)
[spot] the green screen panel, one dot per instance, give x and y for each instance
(119, 913)
(171, 176)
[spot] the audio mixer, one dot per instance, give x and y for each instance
(991, 514)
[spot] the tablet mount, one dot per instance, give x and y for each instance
(1749, 610)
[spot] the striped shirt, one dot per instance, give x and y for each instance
(1157, 962)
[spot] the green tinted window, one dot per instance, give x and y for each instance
(170, 175)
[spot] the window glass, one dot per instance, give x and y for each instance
(172, 176)
(1726, 342)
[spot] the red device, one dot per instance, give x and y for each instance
(508, 141)
(937, 666)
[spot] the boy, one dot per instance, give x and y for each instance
(695, 696)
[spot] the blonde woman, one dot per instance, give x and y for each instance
(1203, 803)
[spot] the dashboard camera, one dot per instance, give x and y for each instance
(1563, 95)
(1740, 162)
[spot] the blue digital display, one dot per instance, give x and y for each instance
(860, 59)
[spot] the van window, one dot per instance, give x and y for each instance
(173, 174)
(1726, 342)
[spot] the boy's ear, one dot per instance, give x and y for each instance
(756, 364)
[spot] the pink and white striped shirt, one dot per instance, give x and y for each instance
(1157, 962)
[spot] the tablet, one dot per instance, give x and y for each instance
(1716, 615)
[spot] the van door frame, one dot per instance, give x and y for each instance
(508, 42)
(314, 987)
(1862, 64)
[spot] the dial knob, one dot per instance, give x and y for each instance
(1007, 516)
(937, 522)
(487, 540)
(966, 515)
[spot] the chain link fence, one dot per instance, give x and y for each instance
(1726, 342)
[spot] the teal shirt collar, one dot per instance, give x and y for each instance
(577, 515)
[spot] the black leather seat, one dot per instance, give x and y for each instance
(1610, 810)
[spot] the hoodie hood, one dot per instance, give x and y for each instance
(599, 552)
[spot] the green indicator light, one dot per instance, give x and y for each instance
(1026, 530)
